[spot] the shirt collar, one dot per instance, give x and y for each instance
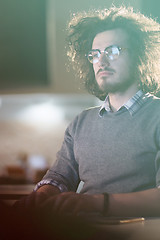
(132, 105)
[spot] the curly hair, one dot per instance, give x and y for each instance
(143, 32)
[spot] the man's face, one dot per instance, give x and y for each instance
(113, 75)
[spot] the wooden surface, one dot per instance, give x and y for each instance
(14, 192)
(149, 229)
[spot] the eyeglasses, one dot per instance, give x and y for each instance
(111, 52)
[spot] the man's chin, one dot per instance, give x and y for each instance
(113, 87)
(106, 87)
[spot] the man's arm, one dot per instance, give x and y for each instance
(144, 203)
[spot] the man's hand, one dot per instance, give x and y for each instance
(32, 201)
(35, 199)
(74, 203)
(49, 199)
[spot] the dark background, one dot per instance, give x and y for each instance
(22, 44)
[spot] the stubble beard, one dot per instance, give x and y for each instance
(113, 87)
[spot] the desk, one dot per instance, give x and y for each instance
(149, 230)
(145, 230)
(15, 192)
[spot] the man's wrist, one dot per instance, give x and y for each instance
(52, 182)
(49, 190)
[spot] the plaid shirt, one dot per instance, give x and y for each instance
(132, 105)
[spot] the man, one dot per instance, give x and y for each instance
(114, 149)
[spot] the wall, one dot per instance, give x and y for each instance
(23, 56)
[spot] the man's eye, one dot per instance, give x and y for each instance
(95, 54)
(109, 51)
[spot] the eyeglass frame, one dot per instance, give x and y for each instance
(104, 51)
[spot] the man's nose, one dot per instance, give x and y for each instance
(103, 60)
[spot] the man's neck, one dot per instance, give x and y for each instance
(117, 99)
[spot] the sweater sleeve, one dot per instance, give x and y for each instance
(65, 169)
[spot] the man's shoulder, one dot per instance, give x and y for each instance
(85, 118)
(90, 112)
(152, 105)
(154, 100)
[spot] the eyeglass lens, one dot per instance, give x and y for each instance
(111, 52)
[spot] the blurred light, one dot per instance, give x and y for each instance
(37, 162)
(43, 114)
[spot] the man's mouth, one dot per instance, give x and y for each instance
(105, 73)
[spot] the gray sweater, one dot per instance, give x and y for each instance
(115, 153)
